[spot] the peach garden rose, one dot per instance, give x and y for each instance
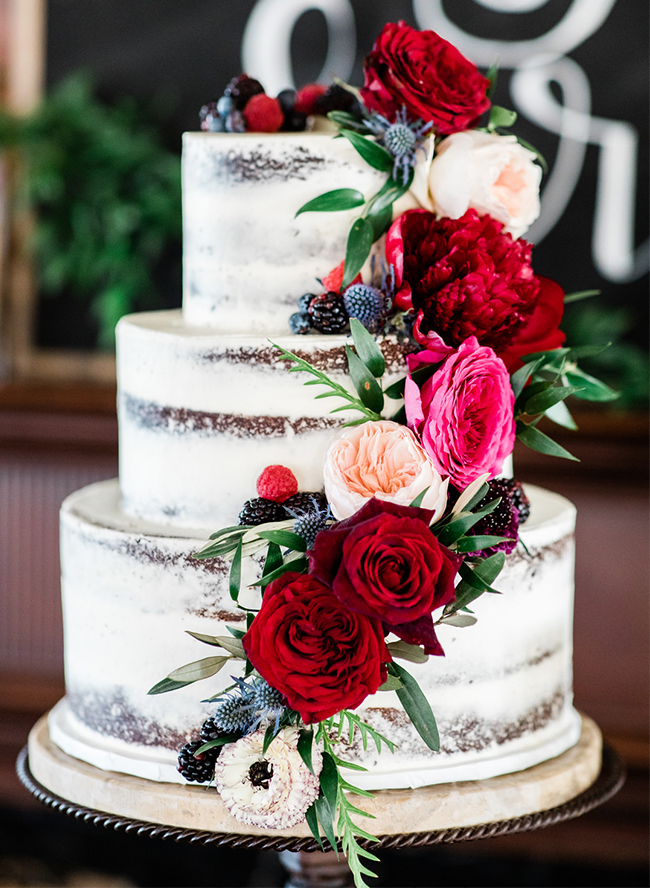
(382, 460)
(486, 172)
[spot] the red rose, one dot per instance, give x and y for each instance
(312, 649)
(463, 277)
(420, 70)
(386, 563)
(541, 332)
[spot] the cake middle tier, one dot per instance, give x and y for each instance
(202, 414)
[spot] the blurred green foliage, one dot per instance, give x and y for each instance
(106, 197)
(624, 366)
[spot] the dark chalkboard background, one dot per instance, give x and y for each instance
(187, 51)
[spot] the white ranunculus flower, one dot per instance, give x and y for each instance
(481, 171)
(383, 460)
(271, 789)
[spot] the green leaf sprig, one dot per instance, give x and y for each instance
(543, 384)
(366, 366)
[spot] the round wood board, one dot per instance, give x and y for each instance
(397, 811)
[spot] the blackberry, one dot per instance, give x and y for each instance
(299, 323)
(337, 98)
(287, 100)
(196, 769)
(305, 301)
(327, 313)
(260, 511)
(295, 122)
(210, 731)
(365, 303)
(241, 89)
(302, 503)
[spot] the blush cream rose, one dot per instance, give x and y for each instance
(464, 413)
(382, 460)
(486, 172)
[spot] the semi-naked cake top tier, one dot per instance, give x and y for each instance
(246, 258)
(502, 694)
(207, 412)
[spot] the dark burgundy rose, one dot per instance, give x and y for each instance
(541, 332)
(463, 277)
(385, 562)
(420, 70)
(320, 655)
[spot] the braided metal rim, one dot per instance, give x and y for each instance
(608, 783)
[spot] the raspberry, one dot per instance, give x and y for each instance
(241, 89)
(327, 313)
(277, 483)
(263, 114)
(307, 97)
(334, 279)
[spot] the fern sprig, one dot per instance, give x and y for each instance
(320, 378)
(355, 723)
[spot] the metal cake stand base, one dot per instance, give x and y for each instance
(575, 782)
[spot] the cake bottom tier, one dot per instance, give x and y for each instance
(502, 695)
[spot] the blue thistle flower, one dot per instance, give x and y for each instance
(365, 303)
(235, 711)
(402, 138)
(268, 705)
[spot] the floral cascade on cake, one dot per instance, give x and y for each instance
(414, 522)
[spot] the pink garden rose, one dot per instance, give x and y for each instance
(464, 414)
(382, 460)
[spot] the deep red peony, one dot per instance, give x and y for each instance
(420, 70)
(386, 563)
(320, 655)
(463, 277)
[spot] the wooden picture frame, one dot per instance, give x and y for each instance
(21, 360)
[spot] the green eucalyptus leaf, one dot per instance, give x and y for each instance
(234, 529)
(358, 248)
(232, 645)
(199, 669)
(459, 620)
(501, 118)
(284, 538)
(371, 152)
(273, 559)
(395, 391)
(333, 201)
(167, 685)
(416, 706)
(591, 389)
(367, 349)
(417, 502)
(348, 121)
(553, 395)
(536, 440)
(477, 543)
(305, 744)
(220, 741)
(473, 579)
(236, 633)
(483, 490)
(559, 414)
(234, 583)
(391, 684)
(465, 594)
(297, 564)
(453, 531)
(405, 651)
(311, 817)
(368, 389)
(390, 192)
(579, 295)
(380, 220)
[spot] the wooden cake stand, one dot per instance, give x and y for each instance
(565, 787)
